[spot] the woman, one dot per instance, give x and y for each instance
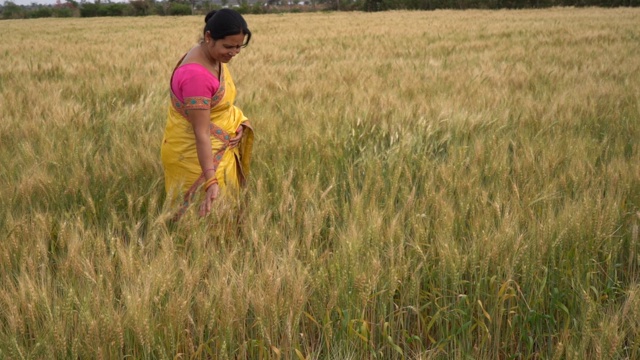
(207, 141)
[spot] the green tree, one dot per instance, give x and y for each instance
(113, 9)
(179, 9)
(89, 9)
(373, 5)
(12, 11)
(41, 12)
(160, 9)
(62, 12)
(140, 7)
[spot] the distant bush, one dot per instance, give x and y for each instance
(41, 12)
(208, 6)
(244, 8)
(159, 9)
(113, 9)
(63, 12)
(179, 9)
(12, 11)
(89, 10)
(257, 8)
(139, 7)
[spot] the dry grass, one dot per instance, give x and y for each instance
(426, 185)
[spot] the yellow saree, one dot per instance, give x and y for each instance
(182, 172)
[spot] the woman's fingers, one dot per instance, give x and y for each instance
(236, 140)
(205, 207)
(211, 195)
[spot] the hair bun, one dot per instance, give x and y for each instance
(209, 15)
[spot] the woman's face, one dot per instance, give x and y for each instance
(225, 49)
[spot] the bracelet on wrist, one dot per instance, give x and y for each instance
(210, 182)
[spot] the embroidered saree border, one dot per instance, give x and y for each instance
(224, 137)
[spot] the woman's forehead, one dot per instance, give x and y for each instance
(237, 39)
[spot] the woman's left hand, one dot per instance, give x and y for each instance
(236, 140)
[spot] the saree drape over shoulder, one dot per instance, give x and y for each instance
(182, 172)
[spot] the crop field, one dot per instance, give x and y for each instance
(424, 185)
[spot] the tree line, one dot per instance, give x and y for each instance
(71, 8)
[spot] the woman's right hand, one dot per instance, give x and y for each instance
(210, 196)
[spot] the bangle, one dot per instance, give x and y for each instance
(205, 170)
(210, 182)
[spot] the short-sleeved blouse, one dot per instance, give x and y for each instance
(194, 82)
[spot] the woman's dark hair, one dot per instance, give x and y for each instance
(224, 22)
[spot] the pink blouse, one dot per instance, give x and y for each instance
(193, 81)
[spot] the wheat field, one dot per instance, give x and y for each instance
(425, 185)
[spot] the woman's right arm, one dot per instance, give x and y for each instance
(200, 121)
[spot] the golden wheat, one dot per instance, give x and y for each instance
(446, 184)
